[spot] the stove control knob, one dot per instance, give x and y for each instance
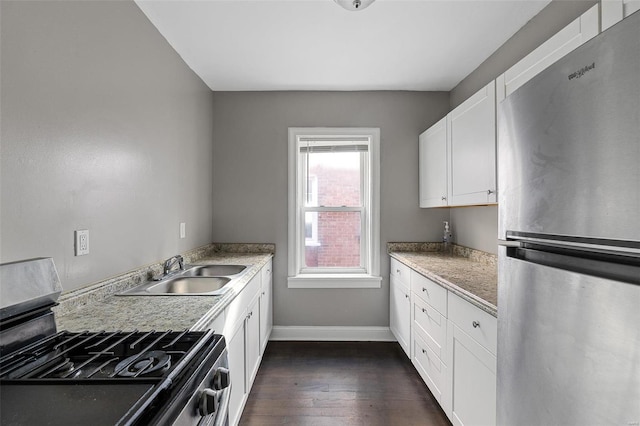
(209, 401)
(221, 379)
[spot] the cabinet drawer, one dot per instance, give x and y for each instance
(430, 292)
(400, 271)
(429, 366)
(476, 323)
(428, 321)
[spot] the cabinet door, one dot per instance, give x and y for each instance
(236, 356)
(433, 165)
(253, 340)
(400, 314)
(471, 396)
(471, 129)
(266, 307)
(578, 32)
(613, 11)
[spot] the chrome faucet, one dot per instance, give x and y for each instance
(171, 262)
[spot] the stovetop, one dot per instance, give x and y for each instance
(103, 378)
(100, 356)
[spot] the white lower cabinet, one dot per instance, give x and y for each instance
(471, 356)
(471, 398)
(246, 338)
(452, 346)
(252, 344)
(236, 356)
(430, 367)
(266, 306)
(400, 314)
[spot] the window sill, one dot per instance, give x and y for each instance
(334, 281)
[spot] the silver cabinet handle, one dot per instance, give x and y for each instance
(425, 290)
(489, 191)
(424, 311)
(406, 295)
(398, 271)
(424, 351)
(444, 198)
(475, 324)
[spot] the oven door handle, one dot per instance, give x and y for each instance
(223, 409)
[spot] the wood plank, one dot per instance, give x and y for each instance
(339, 383)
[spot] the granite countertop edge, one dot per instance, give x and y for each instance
(475, 300)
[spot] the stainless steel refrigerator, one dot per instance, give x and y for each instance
(569, 218)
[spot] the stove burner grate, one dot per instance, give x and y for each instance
(144, 364)
(100, 355)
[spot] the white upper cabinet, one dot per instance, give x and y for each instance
(573, 35)
(471, 132)
(433, 165)
(458, 154)
(614, 11)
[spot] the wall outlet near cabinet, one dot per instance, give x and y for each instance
(82, 242)
(183, 230)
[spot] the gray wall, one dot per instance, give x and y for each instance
(250, 184)
(477, 227)
(105, 128)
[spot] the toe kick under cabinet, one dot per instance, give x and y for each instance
(452, 346)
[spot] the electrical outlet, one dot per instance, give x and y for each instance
(82, 242)
(183, 230)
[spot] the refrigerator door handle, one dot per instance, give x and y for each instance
(509, 243)
(525, 240)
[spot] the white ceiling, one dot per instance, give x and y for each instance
(236, 45)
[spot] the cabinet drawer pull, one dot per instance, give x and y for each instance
(406, 295)
(398, 272)
(489, 192)
(444, 198)
(424, 351)
(475, 324)
(424, 311)
(425, 290)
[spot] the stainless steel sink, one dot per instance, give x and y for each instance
(188, 286)
(212, 270)
(206, 280)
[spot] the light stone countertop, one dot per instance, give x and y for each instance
(162, 312)
(472, 278)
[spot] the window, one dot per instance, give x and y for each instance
(333, 207)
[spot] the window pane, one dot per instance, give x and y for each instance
(311, 228)
(338, 240)
(333, 179)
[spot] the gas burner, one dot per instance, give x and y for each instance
(144, 364)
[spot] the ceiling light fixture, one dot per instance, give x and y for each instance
(354, 5)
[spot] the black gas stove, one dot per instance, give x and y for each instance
(105, 378)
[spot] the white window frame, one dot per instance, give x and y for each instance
(369, 275)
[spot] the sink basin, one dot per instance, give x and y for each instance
(213, 270)
(186, 286)
(206, 280)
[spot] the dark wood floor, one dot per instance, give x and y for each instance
(339, 383)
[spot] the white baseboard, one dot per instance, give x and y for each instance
(336, 334)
